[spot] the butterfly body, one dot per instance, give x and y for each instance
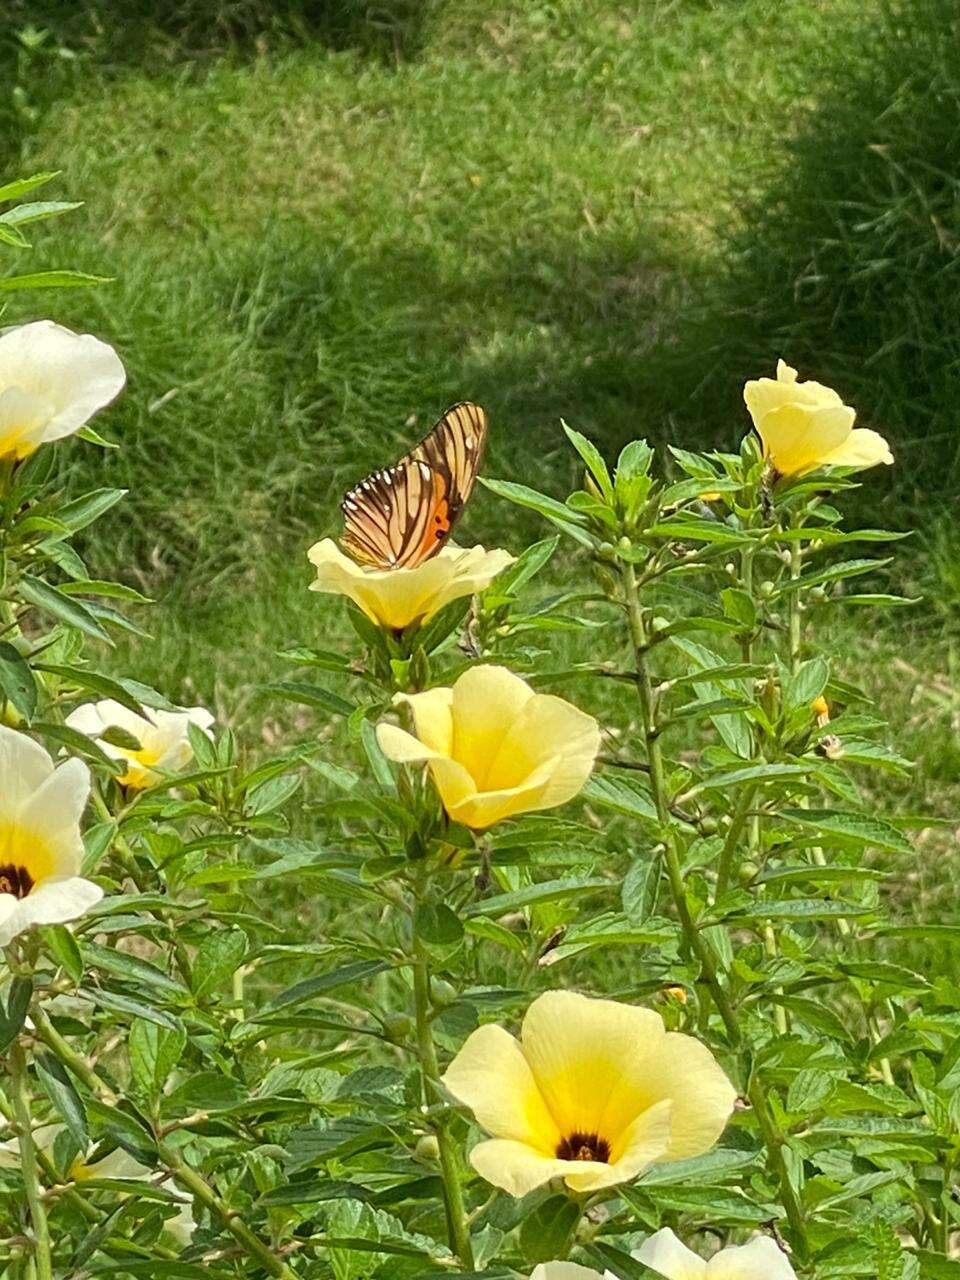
(401, 516)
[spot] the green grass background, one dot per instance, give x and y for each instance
(328, 220)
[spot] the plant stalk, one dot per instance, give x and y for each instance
(773, 1137)
(20, 1092)
(457, 1222)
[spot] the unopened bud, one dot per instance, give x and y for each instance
(747, 871)
(675, 993)
(442, 992)
(398, 1028)
(766, 590)
(428, 1148)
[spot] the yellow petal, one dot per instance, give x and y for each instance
(513, 1166)
(402, 747)
(432, 717)
(491, 1076)
(797, 438)
(862, 448)
(582, 1052)
(642, 1144)
(486, 702)
(785, 373)
(395, 598)
(548, 729)
(684, 1070)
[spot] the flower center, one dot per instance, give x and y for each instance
(584, 1146)
(15, 879)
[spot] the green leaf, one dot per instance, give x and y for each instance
(51, 280)
(91, 506)
(852, 828)
(20, 187)
(593, 458)
(62, 945)
(546, 1232)
(557, 512)
(438, 926)
(627, 797)
(154, 1052)
(103, 686)
(58, 1087)
(324, 982)
(217, 958)
(14, 1015)
(51, 600)
(16, 681)
(311, 695)
(536, 894)
(640, 886)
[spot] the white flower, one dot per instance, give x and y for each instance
(118, 1164)
(164, 743)
(566, 1271)
(761, 1259)
(40, 843)
(52, 382)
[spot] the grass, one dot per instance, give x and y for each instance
(326, 221)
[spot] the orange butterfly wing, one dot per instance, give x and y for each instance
(400, 517)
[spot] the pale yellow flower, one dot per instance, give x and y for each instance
(52, 382)
(805, 425)
(566, 1271)
(395, 598)
(40, 842)
(761, 1259)
(494, 747)
(162, 736)
(593, 1092)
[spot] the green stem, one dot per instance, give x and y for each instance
(28, 1161)
(457, 1223)
(201, 1190)
(773, 1137)
(172, 1162)
(184, 963)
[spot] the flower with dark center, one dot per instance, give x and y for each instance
(584, 1146)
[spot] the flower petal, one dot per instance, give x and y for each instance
(486, 703)
(24, 766)
(53, 814)
(513, 1166)
(761, 1259)
(642, 1144)
(548, 728)
(52, 902)
(75, 372)
(862, 448)
(588, 1058)
(663, 1253)
(563, 1271)
(491, 1076)
(432, 717)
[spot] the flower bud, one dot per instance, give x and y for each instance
(428, 1148)
(747, 871)
(398, 1028)
(442, 992)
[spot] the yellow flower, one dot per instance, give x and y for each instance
(40, 843)
(494, 747)
(395, 598)
(594, 1092)
(52, 382)
(163, 737)
(761, 1259)
(804, 425)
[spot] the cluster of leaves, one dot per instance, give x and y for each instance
(289, 943)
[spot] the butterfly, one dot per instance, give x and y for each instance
(399, 517)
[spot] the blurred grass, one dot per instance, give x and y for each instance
(328, 220)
